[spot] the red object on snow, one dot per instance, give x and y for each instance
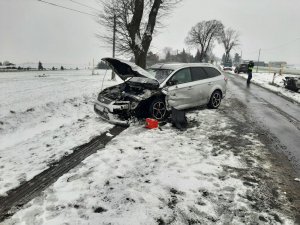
(151, 123)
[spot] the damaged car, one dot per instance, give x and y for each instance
(153, 93)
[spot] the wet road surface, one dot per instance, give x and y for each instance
(280, 117)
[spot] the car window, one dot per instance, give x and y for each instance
(212, 72)
(199, 73)
(182, 76)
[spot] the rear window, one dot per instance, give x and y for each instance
(212, 72)
(198, 73)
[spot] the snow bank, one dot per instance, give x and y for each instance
(265, 80)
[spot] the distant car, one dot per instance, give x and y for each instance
(241, 68)
(227, 67)
(292, 83)
(155, 92)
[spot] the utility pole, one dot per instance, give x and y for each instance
(258, 61)
(113, 76)
(93, 72)
(241, 59)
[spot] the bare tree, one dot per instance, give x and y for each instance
(203, 35)
(229, 39)
(136, 22)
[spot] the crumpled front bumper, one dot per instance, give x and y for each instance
(108, 113)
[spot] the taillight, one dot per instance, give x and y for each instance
(225, 78)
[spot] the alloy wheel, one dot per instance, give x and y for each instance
(159, 110)
(216, 99)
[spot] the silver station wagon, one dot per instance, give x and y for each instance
(154, 92)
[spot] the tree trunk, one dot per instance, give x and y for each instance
(140, 59)
(202, 55)
(227, 57)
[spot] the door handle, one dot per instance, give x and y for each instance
(190, 88)
(209, 83)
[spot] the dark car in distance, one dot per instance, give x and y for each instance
(241, 68)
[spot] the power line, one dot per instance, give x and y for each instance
(79, 3)
(266, 50)
(60, 6)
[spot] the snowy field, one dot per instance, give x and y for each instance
(43, 118)
(264, 80)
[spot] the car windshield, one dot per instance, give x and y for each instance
(160, 74)
(227, 65)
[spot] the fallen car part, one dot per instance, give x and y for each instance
(151, 123)
(179, 119)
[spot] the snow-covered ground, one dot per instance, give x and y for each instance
(265, 80)
(43, 118)
(161, 176)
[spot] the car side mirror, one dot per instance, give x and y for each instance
(172, 82)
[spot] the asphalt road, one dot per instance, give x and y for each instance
(280, 117)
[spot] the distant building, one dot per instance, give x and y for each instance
(260, 63)
(278, 64)
(8, 66)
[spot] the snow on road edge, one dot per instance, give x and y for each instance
(264, 80)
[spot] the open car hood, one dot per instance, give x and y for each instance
(125, 69)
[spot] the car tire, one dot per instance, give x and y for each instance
(158, 109)
(215, 100)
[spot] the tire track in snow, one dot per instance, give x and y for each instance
(21, 195)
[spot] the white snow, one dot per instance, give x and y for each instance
(264, 80)
(43, 118)
(138, 42)
(144, 176)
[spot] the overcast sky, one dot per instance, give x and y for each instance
(31, 31)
